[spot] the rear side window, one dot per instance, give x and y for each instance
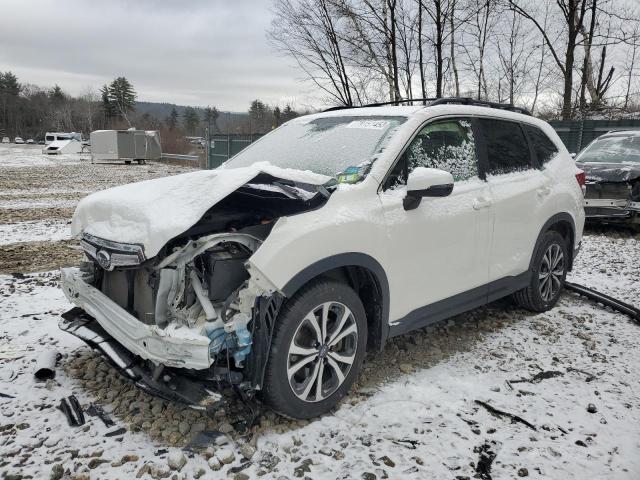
(507, 148)
(543, 147)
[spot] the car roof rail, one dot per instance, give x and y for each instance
(479, 103)
(380, 104)
(440, 101)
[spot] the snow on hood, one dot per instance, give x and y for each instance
(152, 212)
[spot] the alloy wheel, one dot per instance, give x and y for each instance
(551, 272)
(322, 351)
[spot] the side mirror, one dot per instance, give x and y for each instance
(426, 182)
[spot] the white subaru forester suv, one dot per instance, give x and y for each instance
(278, 271)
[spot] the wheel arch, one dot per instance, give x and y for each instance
(564, 224)
(366, 276)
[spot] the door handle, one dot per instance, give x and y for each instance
(543, 191)
(479, 203)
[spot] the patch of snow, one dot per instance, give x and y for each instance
(35, 231)
(17, 156)
(24, 203)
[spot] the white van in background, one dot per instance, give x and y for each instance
(57, 136)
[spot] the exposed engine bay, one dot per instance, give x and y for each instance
(197, 305)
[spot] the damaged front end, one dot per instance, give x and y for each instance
(195, 318)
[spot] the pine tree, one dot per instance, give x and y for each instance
(211, 118)
(107, 106)
(9, 93)
(122, 96)
(277, 115)
(191, 120)
(172, 119)
(56, 95)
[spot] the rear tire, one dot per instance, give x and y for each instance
(548, 274)
(318, 346)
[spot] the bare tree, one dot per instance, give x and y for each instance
(306, 30)
(572, 13)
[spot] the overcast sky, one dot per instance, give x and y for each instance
(196, 52)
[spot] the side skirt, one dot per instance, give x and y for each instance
(460, 303)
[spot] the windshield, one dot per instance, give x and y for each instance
(618, 149)
(329, 145)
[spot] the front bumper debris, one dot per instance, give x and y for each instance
(169, 384)
(173, 347)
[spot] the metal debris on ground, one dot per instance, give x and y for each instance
(606, 300)
(46, 365)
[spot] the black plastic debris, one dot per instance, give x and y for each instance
(203, 440)
(97, 411)
(77, 409)
(72, 410)
(116, 432)
(487, 455)
(499, 413)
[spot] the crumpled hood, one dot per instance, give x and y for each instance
(610, 172)
(152, 212)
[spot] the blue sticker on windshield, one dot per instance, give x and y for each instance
(350, 175)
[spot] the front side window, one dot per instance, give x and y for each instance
(543, 147)
(327, 145)
(447, 145)
(507, 148)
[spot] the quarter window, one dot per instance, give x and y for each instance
(543, 147)
(507, 148)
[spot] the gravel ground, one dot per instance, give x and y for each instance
(46, 189)
(421, 409)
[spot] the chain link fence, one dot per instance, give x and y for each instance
(577, 134)
(221, 147)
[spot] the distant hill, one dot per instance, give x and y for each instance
(162, 111)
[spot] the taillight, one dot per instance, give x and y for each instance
(581, 178)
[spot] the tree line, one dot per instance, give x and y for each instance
(30, 111)
(559, 58)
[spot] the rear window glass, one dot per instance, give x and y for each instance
(507, 148)
(543, 147)
(615, 149)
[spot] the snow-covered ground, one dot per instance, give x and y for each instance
(31, 156)
(414, 414)
(34, 231)
(421, 410)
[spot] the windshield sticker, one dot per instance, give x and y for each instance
(369, 124)
(350, 175)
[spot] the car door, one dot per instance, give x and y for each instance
(521, 195)
(440, 249)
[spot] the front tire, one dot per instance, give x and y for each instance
(548, 274)
(318, 346)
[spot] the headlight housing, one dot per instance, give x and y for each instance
(110, 254)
